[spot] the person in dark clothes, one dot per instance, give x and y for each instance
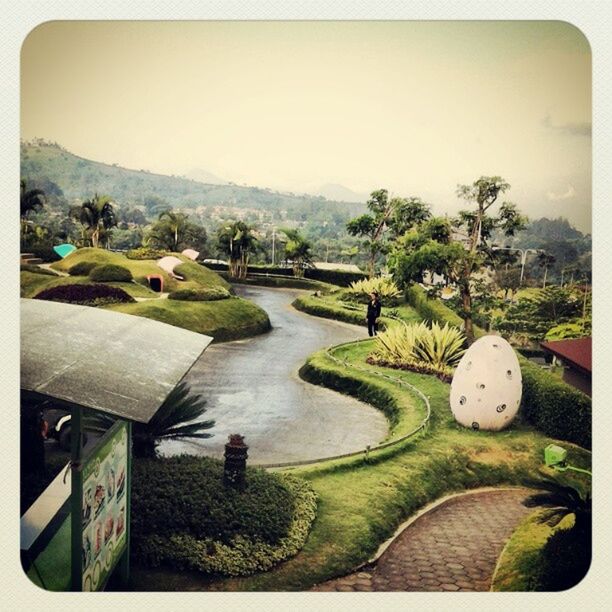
(374, 307)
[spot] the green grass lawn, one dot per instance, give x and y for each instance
(228, 319)
(361, 504)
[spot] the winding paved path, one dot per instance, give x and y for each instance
(452, 547)
(252, 388)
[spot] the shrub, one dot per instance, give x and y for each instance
(554, 407)
(145, 253)
(85, 294)
(185, 517)
(82, 268)
(385, 287)
(205, 294)
(342, 278)
(431, 309)
(435, 349)
(44, 252)
(37, 270)
(107, 273)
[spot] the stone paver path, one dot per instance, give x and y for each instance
(453, 547)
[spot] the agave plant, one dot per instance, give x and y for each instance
(441, 347)
(385, 287)
(435, 347)
(173, 420)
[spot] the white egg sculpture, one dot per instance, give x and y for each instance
(487, 385)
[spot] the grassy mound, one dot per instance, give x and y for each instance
(82, 268)
(110, 272)
(223, 319)
(200, 295)
(37, 270)
(186, 518)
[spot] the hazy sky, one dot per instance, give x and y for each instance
(415, 107)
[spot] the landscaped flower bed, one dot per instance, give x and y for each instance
(86, 295)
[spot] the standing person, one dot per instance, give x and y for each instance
(374, 307)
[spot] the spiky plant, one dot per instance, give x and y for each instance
(385, 287)
(174, 420)
(441, 347)
(559, 501)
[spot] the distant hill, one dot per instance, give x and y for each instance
(204, 176)
(80, 178)
(333, 191)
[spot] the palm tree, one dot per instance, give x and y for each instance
(545, 260)
(170, 229)
(237, 240)
(97, 215)
(31, 200)
(173, 420)
(566, 555)
(297, 250)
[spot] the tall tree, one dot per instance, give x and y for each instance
(97, 216)
(544, 261)
(457, 248)
(237, 241)
(297, 249)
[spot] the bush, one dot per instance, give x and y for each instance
(206, 294)
(551, 405)
(107, 273)
(37, 270)
(431, 309)
(185, 517)
(86, 295)
(554, 407)
(82, 268)
(145, 253)
(341, 278)
(44, 252)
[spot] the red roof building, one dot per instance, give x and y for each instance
(576, 355)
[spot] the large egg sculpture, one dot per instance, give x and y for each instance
(487, 385)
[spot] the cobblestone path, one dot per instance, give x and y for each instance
(453, 547)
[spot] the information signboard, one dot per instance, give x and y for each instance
(104, 494)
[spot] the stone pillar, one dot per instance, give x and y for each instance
(235, 461)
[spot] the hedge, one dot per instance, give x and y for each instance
(205, 294)
(44, 252)
(183, 516)
(551, 405)
(341, 278)
(107, 273)
(145, 253)
(82, 268)
(85, 294)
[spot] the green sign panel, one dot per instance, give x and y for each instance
(104, 507)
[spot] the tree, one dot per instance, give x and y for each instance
(350, 252)
(97, 216)
(237, 241)
(173, 421)
(544, 261)
(566, 556)
(31, 200)
(169, 230)
(457, 248)
(372, 226)
(297, 249)
(406, 214)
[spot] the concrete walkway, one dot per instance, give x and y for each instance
(252, 388)
(452, 547)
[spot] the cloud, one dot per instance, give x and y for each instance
(555, 197)
(573, 128)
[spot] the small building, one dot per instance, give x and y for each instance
(575, 355)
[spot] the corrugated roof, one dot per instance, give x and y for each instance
(117, 363)
(577, 352)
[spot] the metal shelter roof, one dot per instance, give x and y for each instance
(117, 363)
(576, 352)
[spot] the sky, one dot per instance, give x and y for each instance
(414, 107)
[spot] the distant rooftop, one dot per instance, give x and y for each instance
(575, 352)
(117, 363)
